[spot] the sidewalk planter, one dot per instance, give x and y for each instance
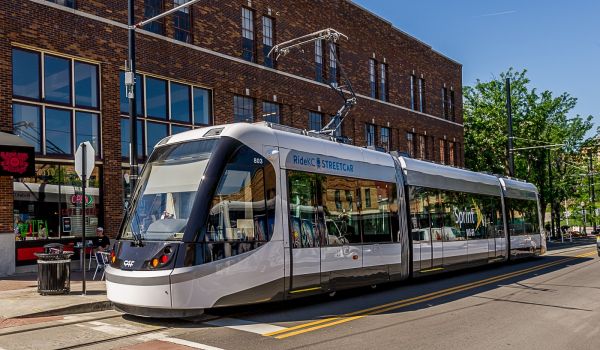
(54, 270)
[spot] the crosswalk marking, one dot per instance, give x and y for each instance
(191, 344)
(246, 326)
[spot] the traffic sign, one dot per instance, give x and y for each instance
(85, 154)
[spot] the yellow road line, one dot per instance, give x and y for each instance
(431, 270)
(304, 290)
(331, 321)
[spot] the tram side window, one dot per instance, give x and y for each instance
(305, 225)
(419, 218)
(455, 228)
(241, 215)
(341, 216)
(377, 211)
(523, 217)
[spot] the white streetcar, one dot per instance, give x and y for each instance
(250, 213)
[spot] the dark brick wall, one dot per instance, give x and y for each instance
(217, 27)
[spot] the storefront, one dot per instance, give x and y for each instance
(48, 208)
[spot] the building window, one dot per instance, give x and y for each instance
(27, 124)
(202, 106)
(26, 74)
(422, 147)
(181, 102)
(421, 95)
(319, 74)
(154, 8)
(243, 109)
(86, 85)
(57, 79)
(67, 113)
(182, 22)
(58, 130)
(267, 24)
(410, 144)
(442, 151)
(171, 108)
(247, 34)
(370, 134)
(154, 133)
(444, 105)
(384, 136)
(67, 3)
(451, 153)
(271, 112)
(383, 82)
(451, 106)
(333, 54)
(373, 77)
(412, 92)
(315, 121)
(156, 98)
(336, 121)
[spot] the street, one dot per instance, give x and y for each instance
(546, 303)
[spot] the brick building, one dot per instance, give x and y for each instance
(61, 82)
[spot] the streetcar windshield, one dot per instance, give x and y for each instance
(167, 190)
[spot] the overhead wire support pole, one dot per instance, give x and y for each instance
(511, 159)
(130, 77)
(344, 91)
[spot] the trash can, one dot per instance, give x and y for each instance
(54, 270)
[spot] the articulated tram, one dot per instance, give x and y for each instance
(249, 213)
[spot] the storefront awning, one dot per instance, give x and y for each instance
(17, 157)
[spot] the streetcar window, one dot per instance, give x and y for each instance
(242, 209)
(341, 213)
(376, 213)
(522, 217)
(305, 226)
(167, 192)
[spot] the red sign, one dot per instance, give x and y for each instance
(78, 198)
(16, 161)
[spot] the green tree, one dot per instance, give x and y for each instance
(539, 119)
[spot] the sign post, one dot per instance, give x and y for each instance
(84, 166)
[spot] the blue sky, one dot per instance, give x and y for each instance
(558, 42)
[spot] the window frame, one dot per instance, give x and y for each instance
(268, 26)
(177, 19)
(383, 91)
(246, 102)
(311, 121)
(42, 104)
(384, 137)
(248, 31)
(370, 135)
(373, 77)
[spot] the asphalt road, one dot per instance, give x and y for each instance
(552, 302)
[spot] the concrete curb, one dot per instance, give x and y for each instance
(73, 309)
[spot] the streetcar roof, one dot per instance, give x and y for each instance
(427, 174)
(518, 189)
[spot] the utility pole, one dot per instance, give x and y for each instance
(511, 160)
(130, 84)
(551, 195)
(592, 189)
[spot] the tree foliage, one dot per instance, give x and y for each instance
(539, 118)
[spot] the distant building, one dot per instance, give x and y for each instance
(62, 74)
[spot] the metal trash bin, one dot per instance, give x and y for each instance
(54, 270)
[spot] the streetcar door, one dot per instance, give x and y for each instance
(306, 227)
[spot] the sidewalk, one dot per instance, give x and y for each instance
(19, 298)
